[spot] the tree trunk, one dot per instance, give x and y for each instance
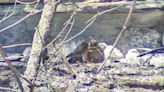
(39, 41)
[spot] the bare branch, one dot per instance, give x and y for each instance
(15, 45)
(31, 2)
(123, 29)
(13, 12)
(3, 55)
(25, 17)
(9, 89)
(67, 23)
(100, 13)
(84, 29)
(59, 47)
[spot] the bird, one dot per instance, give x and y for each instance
(82, 51)
(95, 56)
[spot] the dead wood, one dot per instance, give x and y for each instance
(39, 42)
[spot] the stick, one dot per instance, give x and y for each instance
(123, 29)
(3, 55)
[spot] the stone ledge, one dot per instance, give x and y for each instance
(6, 1)
(87, 7)
(12, 1)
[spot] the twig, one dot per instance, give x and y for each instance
(69, 31)
(9, 89)
(68, 22)
(71, 70)
(123, 29)
(62, 56)
(19, 21)
(91, 20)
(25, 17)
(31, 2)
(13, 12)
(39, 35)
(17, 74)
(42, 41)
(84, 29)
(3, 55)
(35, 6)
(15, 45)
(100, 13)
(7, 11)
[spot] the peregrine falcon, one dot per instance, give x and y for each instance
(82, 51)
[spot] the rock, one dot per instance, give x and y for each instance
(163, 39)
(116, 54)
(85, 79)
(69, 48)
(60, 84)
(157, 60)
(7, 1)
(15, 58)
(61, 87)
(139, 37)
(11, 56)
(131, 57)
(81, 90)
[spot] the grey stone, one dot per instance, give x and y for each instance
(11, 56)
(82, 90)
(138, 37)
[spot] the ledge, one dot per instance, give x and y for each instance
(86, 6)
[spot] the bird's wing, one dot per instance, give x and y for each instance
(76, 52)
(81, 48)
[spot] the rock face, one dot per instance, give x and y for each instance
(131, 57)
(7, 1)
(115, 55)
(17, 57)
(11, 56)
(105, 28)
(140, 38)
